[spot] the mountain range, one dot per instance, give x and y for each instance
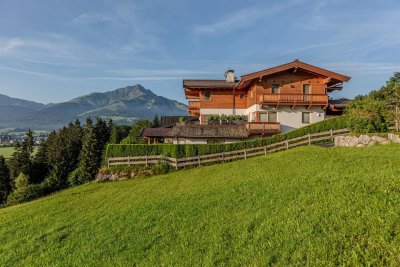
(124, 105)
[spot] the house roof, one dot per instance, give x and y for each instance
(155, 132)
(198, 131)
(247, 79)
(209, 131)
(169, 121)
(209, 84)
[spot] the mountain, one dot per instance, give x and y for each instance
(123, 105)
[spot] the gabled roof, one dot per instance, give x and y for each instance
(209, 131)
(209, 84)
(155, 132)
(247, 79)
(198, 131)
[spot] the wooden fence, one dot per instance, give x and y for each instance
(227, 156)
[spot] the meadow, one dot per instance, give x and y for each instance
(6, 152)
(307, 206)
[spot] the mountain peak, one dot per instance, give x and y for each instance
(124, 105)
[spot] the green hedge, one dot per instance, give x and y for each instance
(191, 150)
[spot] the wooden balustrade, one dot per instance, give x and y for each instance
(264, 127)
(293, 99)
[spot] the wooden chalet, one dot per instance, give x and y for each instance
(274, 100)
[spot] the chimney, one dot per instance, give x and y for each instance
(230, 76)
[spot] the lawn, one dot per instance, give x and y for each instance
(307, 206)
(6, 152)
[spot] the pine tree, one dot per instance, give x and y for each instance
(5, 182)
(156, 122)
(89, 158)
(21, 159)
(114, 139)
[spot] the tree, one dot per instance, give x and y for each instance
(5, 182)
(89, 157)
(114, 139)
(134, 133)
(21, 159)
(156, 122)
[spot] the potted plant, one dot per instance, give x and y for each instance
(182, 120)
(217, 119)
(224, 119)
(211, 119)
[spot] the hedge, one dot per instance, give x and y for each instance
(191, 150)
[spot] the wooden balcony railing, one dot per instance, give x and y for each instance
(293, 99)
(264, 127)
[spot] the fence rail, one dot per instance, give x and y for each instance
(227, 156)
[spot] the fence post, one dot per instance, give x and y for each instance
(309, 139)
(245, 154)
(176, 163)
(199, 160)
(331, 134)
(265, 150)
(147, 161)
(108, 162)
(287, 144)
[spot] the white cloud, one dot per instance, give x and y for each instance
(89, 18)
(244, 18)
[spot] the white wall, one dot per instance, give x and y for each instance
(220, 111)
(291, 119)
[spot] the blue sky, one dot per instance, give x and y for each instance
(55, 50)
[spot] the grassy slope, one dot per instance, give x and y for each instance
(310, 205)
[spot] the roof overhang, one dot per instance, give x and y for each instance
(331, 77)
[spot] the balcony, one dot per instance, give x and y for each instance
(294, 99)
(194, 108)
(263, 127)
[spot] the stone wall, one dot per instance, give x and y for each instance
(365, 140)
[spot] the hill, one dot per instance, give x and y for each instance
(123, 105)
(306, 206)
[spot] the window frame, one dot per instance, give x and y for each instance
(207, 98)
(277, 87)
(309, 118)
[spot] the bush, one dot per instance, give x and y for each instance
(184, 151)
(367, 115)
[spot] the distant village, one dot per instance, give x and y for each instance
(10, 139)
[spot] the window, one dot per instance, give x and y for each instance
(275, 88)
(269, 117)
(272, 117)
(241, 96)
(306, 89)
(207, 95)
(305, 117)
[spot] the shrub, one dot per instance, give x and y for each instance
(367, 115)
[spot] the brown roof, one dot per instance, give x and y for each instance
(248, 78)
(155, 132)
(208, 84)
(198, 131)
(209, 131)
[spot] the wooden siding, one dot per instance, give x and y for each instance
(223, 99)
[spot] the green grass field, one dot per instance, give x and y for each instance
(307, 206)
(6, 152)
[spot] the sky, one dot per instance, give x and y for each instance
(54, 50)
